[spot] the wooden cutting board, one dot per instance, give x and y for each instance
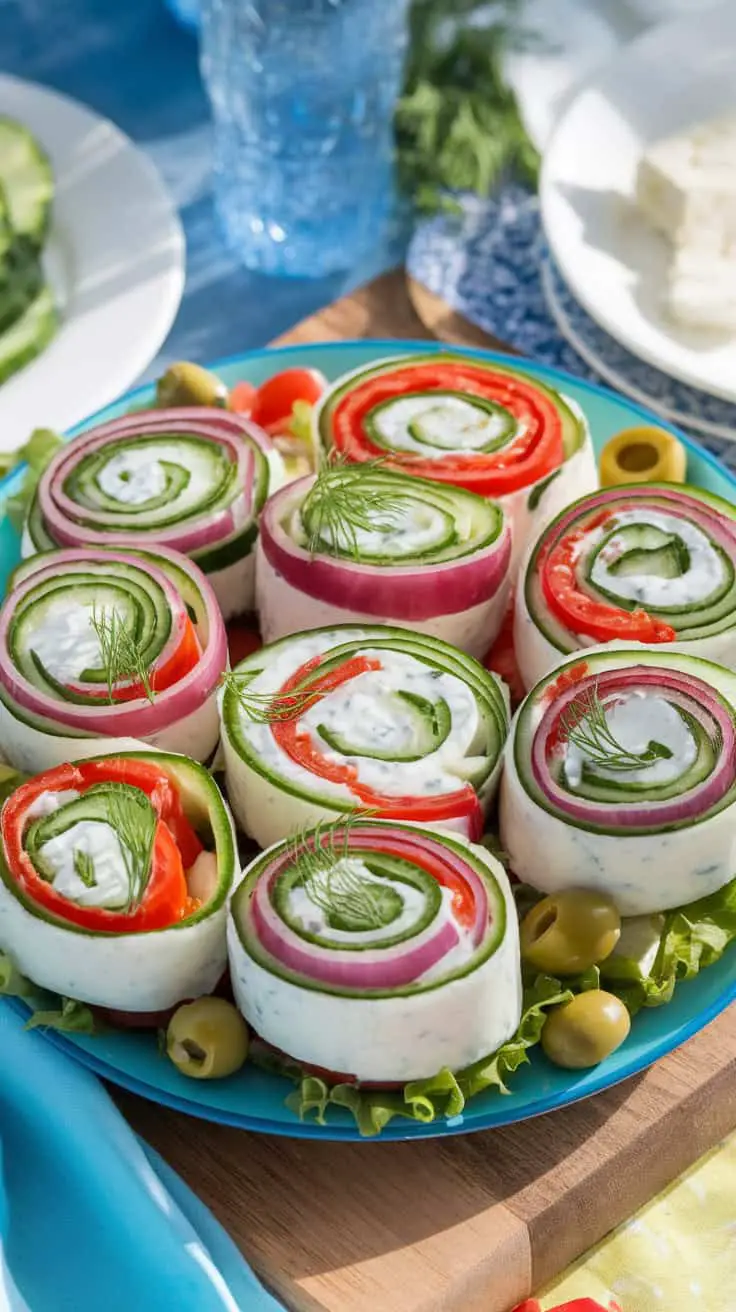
(471, 1224)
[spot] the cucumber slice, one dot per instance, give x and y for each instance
(430, 724)
(29, 335)
(27, 181)
(648, 550)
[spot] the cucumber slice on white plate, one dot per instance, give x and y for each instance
(29, 335)
(26, 179)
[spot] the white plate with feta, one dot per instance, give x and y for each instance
(638, 197)
(114, 258)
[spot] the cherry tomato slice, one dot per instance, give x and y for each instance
(241, 398)
(274, 400)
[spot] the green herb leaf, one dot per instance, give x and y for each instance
(134, 820)
(72, 1017)
(122, 655)
(266, 707)
(84, 868)
(322, 860)
(345, 500)
(41, 446)
(585, 725)
(457, 123)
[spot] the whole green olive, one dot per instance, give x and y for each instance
(570, 931)
(584, 1032)
(207, 1039)
(189, 384)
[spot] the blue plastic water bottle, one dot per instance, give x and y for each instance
(303, 94)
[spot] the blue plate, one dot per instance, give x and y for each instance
(254, 1100)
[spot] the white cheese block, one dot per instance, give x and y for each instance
(686, 185)
(686, 188)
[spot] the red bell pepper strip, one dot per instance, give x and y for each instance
(534, 453)
(301, 747)
(175, 846)
(583, 614)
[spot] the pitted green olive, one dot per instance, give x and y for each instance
(568, 932)
(207, 1039)
(584, 1032)
(189, 384)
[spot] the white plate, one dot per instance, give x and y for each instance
(115, 256)
(673, 76)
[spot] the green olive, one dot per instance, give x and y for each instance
(569, 932)
(585, 1031)
(207, 1039)
(189, 384)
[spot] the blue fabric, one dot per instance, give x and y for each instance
(132, 62)
(90, 1218)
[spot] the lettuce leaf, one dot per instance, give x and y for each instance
(71, 1017)
(12, 983)
(36, 454)
(655, 953)
(442, 1095)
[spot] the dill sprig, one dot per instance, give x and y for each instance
(267, 707)
(457, 123)
(134, 820)
(122, 655)
(585, 726)
(84, 868)
(346, 500)
(322, 859)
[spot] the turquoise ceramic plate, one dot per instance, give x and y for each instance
(254, 1100)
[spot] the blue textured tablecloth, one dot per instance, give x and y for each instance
(131, 62)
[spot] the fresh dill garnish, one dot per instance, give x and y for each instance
(585, 726)
(346, 500)
(457, 123)
(121, 654)
(267, 707)
(84, 868)
(134, 820)
(326, 870)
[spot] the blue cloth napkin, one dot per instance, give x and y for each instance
(90, 1218)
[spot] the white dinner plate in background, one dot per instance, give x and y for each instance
(115, 256)
(675, 75)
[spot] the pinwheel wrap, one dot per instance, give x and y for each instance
(653, 564)
(103, 648)
(620, 775)
(361, 718)
(378, 951)
(194, 480)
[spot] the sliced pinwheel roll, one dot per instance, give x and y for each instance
(379, 951)
(620, 776)
(466, 421)
(114, 880)
(652, 564)
(362, 543)
(191, 479)
(108, 648)
(361, 718)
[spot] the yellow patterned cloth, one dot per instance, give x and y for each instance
(678, 1254)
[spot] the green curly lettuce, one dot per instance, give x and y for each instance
(442, 1095)
(655, 953)
(35, 454)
